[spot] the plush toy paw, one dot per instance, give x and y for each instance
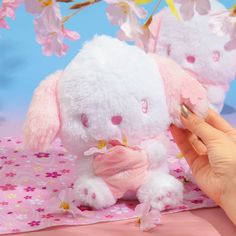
(163, 191)
(93, 192)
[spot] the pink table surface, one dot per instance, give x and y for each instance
(206, 222)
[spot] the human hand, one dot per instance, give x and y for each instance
(210, 149)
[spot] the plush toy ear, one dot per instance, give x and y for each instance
(181, 88)
(42, 122)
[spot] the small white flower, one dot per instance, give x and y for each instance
(119, 210)
(70, 157)
(3, 150)
(36, 201)
(22, 217)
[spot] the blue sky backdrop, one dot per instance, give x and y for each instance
(22, 64)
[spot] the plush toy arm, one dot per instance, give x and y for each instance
(216, 96)
(42, 122)
(156, 150)
(181, 88)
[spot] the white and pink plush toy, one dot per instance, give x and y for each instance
(109, 107)
(197, 49)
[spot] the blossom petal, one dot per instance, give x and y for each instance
(203, 7)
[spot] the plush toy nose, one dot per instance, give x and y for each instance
(116, 120)
(191, 59)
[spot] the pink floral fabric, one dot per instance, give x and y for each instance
(29, 181)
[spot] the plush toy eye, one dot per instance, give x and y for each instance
(168, 49)
(144, 104)
(84, 120)
(215, 56)
(116, 120)
(190, 59)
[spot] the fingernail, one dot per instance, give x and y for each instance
(184, 111)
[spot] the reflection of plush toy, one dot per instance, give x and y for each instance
(193, 46)
(109, 107)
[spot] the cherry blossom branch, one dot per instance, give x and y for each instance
(84, 4)
(149, 20)
(126, 14)
(65, 1)
(78, 7)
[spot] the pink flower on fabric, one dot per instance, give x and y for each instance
(223, 23)
(197, 201)
(15, 231)
(47, 216)
(8, 162)
(3, 203)
(10, 174)
(49, 27)
(149, 218)
(40, 209)
(52, 174)
(8, 10)
(65, 171)
(8, 187)
(29, 189)
(28, 197)
(42, 155)
(125, 13)
(34, 223)
(187, 7)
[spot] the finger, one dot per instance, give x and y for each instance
(197, 145)
(195, 161)
(181, 138)
(198, 126)
(218, 122)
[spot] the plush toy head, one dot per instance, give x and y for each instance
(193, 46)
(111, 91)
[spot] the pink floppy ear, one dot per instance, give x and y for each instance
(181, 88)
(42, 122)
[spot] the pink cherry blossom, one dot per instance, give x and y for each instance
(125, 14)
(36, 6)
(64, 202)
(149, 217)
(187, 7)
(7, 9)
(49, 27)
(224, 23)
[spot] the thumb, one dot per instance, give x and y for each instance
(198, 126)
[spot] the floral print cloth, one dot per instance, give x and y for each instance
(29, 181)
